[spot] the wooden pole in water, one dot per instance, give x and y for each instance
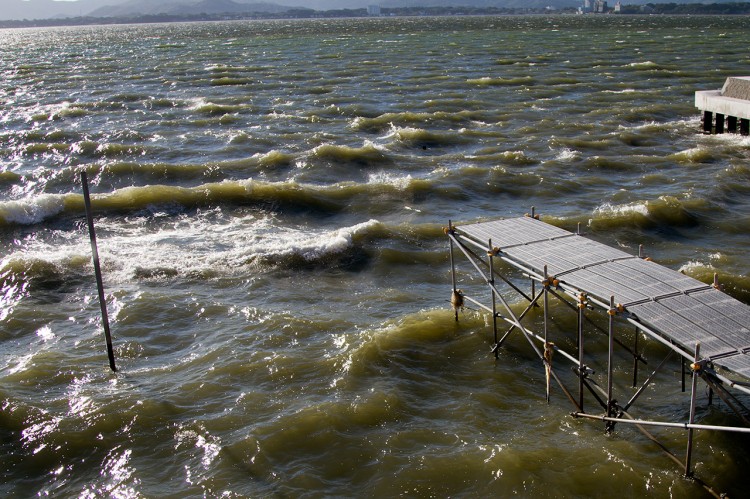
(97, 270)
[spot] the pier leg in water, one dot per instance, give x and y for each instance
(695, 368)
(732, 124)
(457, 298)
(549, 351)
(457, 301)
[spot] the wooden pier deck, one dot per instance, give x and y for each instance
(674, 306)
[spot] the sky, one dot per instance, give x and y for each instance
(41, 9)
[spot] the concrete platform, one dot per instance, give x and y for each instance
(732, 103)
(715, 102)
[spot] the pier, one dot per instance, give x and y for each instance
(727, 109)
(703, 328)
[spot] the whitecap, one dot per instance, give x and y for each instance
(567, 154)
(401, 182)
(32, 210)
(643, 65)
(693, 266)
(610, 210)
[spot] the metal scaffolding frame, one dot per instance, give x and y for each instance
(475, 242)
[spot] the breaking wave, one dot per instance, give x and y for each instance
(192, 248)
(667, 212)
(33, 210)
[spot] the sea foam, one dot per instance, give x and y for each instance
(31, 210)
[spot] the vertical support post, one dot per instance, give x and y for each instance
(581, 368)
(610, 353)
(548, 346)
(719, 123)
(682, 365)
(491, 282)
(744, 126)
(708, 117)
(453, 265)
(695, 367)
(97, 270)
(545, 301)
(636, 355)
(732, 124)
(455, 295)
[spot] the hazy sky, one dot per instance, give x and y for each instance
(39, 9)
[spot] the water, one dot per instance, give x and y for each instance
(269, 202)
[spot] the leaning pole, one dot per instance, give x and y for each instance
(97, 270)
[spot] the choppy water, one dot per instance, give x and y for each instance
(269, 202)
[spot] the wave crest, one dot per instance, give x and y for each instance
(195, 247)
(366, 155)
(488, 81)
(667, 212)
(418, 137)
(389, 120)
(32, 210)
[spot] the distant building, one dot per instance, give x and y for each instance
(373, 10)
(618, 7)
(595, 6)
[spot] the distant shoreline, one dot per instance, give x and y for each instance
(740, 9)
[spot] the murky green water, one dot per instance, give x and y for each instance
(270, 198)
